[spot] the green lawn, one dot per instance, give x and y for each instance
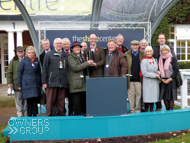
(176, 107)
(6, 101)
(178, 139)
(2, 139)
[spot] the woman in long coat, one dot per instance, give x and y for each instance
(149, 70)
(77, 71)
(168, 68)
(29, 80)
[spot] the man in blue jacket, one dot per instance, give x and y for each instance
(54, 77)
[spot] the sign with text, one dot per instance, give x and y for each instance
(102, 36)
(48, 7)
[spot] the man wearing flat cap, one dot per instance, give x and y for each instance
(12, 81)
(133, 57)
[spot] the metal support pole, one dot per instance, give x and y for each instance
(29, 24)
(96, 9)
(162, 14)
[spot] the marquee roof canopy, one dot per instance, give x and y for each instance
(89, 10)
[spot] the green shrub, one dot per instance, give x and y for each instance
(178, 14)
(184, 65)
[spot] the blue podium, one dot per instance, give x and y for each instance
(106, 96)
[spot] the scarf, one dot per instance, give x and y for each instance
(32, 60)
(164, 69)
(140, 73)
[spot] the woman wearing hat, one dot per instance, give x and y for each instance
(29, 80)
(168, 69)
(77, 71)
(149, 73)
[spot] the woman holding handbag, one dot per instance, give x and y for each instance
(168, 67)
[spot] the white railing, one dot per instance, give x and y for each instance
(185, 74)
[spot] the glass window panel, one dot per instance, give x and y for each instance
(5, 63)
(188, 50)
(178, 43)
(171, 36)
(172, 29)
(188, 57)
(178, 50)
(182, 50)
(182, 43)
(182, 56)
(5, 51)
(6, 69)
(188, 43)
(178, 56)
(6, 57)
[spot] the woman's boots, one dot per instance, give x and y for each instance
(151, 107)
(147, 107)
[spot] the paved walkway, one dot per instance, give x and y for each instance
(5, 100)
(6, 112)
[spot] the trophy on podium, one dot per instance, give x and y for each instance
(90, 55)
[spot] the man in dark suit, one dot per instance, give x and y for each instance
(162, 41)
(46, 47)
(119, 43)
(99, 56)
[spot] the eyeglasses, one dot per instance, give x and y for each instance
(58, 43)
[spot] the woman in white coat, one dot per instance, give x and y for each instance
(150, 73)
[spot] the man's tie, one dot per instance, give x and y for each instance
(67, 52)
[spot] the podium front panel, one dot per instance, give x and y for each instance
(106, 96)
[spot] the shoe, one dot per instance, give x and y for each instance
(158, 109)
(24, 113)
(146, 110)
(143, 110)
(19, 115)
(151, 107)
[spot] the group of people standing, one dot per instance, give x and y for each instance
(64, 71)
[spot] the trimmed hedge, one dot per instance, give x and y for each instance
(184, 65)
